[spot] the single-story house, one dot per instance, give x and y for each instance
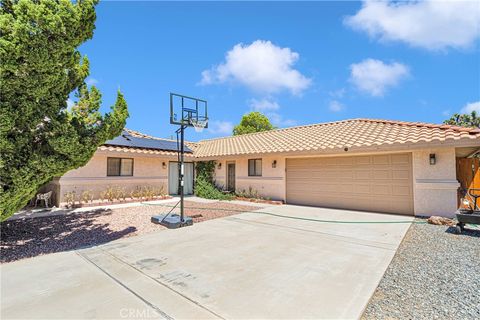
(363, 164)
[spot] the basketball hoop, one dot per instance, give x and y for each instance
(185, 112)
(199, 124)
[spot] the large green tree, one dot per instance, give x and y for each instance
(471, 120)
(253, 122)
(40, 137)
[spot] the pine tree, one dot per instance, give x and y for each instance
(40, 138)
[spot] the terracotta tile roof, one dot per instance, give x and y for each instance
(141, 151)
(355, 134)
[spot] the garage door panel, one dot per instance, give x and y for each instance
(402, 175)
(363, 175)
(385, 190)
(400, 159)
(382, 174)
(375, 183)
(361, 161)
(383, 159)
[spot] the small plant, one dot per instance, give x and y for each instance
(123, 194)
(136, 193)
(103, 195)
(160, 192)
(119, 193)
(251, 193)
(149, 192)
(110, 194)
(70, 198)
(86, 196)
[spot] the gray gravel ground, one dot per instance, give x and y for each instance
(435, 274)
(30, 237)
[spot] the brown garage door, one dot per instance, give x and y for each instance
(380, 183)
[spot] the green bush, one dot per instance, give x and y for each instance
(205, 170)
(206, 189)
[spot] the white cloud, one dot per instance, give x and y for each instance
(428, 24)
(263, 105)
(336, 106)
(278, 120)
(375, 76)
(339, 93)
(91, 81)
(261, 66)
(220, 127)
(270, 108)
(473, 106)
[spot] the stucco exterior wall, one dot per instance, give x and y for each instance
(148, 170)
(271, 184)
(435, 186)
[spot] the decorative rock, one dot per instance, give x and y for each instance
(439, 221)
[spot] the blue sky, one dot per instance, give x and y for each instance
(299, 63)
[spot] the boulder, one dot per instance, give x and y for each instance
(439, 221)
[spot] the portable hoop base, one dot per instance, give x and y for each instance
(173, 221)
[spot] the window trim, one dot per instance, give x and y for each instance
(120, 167)
(255, 167)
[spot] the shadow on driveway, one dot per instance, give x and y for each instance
(25, 238)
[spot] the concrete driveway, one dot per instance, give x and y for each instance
(251, 265)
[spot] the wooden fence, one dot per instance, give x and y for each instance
(468, 175)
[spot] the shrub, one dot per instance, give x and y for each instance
(87, 196)
(160, 192)
(110, 194)
(205, 170)
(250, 193)
(206, 189)
(70, 198)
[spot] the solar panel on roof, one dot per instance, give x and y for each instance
(126, 140)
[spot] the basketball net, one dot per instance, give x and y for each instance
(199, 125)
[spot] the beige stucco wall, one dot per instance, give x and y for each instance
(271, 184)
(148, 170)
(435, 186)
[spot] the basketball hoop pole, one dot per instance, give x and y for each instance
(182, 171)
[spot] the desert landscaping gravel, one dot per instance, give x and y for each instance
(435, 274)
(30, 237)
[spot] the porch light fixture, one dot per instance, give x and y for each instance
(274, 164)
(219, 165)
(164, 165)
(433, 159)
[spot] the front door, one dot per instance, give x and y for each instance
(231, 176)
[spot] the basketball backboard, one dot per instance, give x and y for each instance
(188, 111)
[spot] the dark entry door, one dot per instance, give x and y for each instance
(231, 176)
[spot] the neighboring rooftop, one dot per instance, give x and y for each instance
(355, 134)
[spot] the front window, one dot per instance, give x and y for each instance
(255, 167)
(119, 167)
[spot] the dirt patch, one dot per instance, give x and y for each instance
(30, 237)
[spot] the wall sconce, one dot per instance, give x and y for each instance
(274, 164)
(433, 159)
(219, 165)
(164, 165)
